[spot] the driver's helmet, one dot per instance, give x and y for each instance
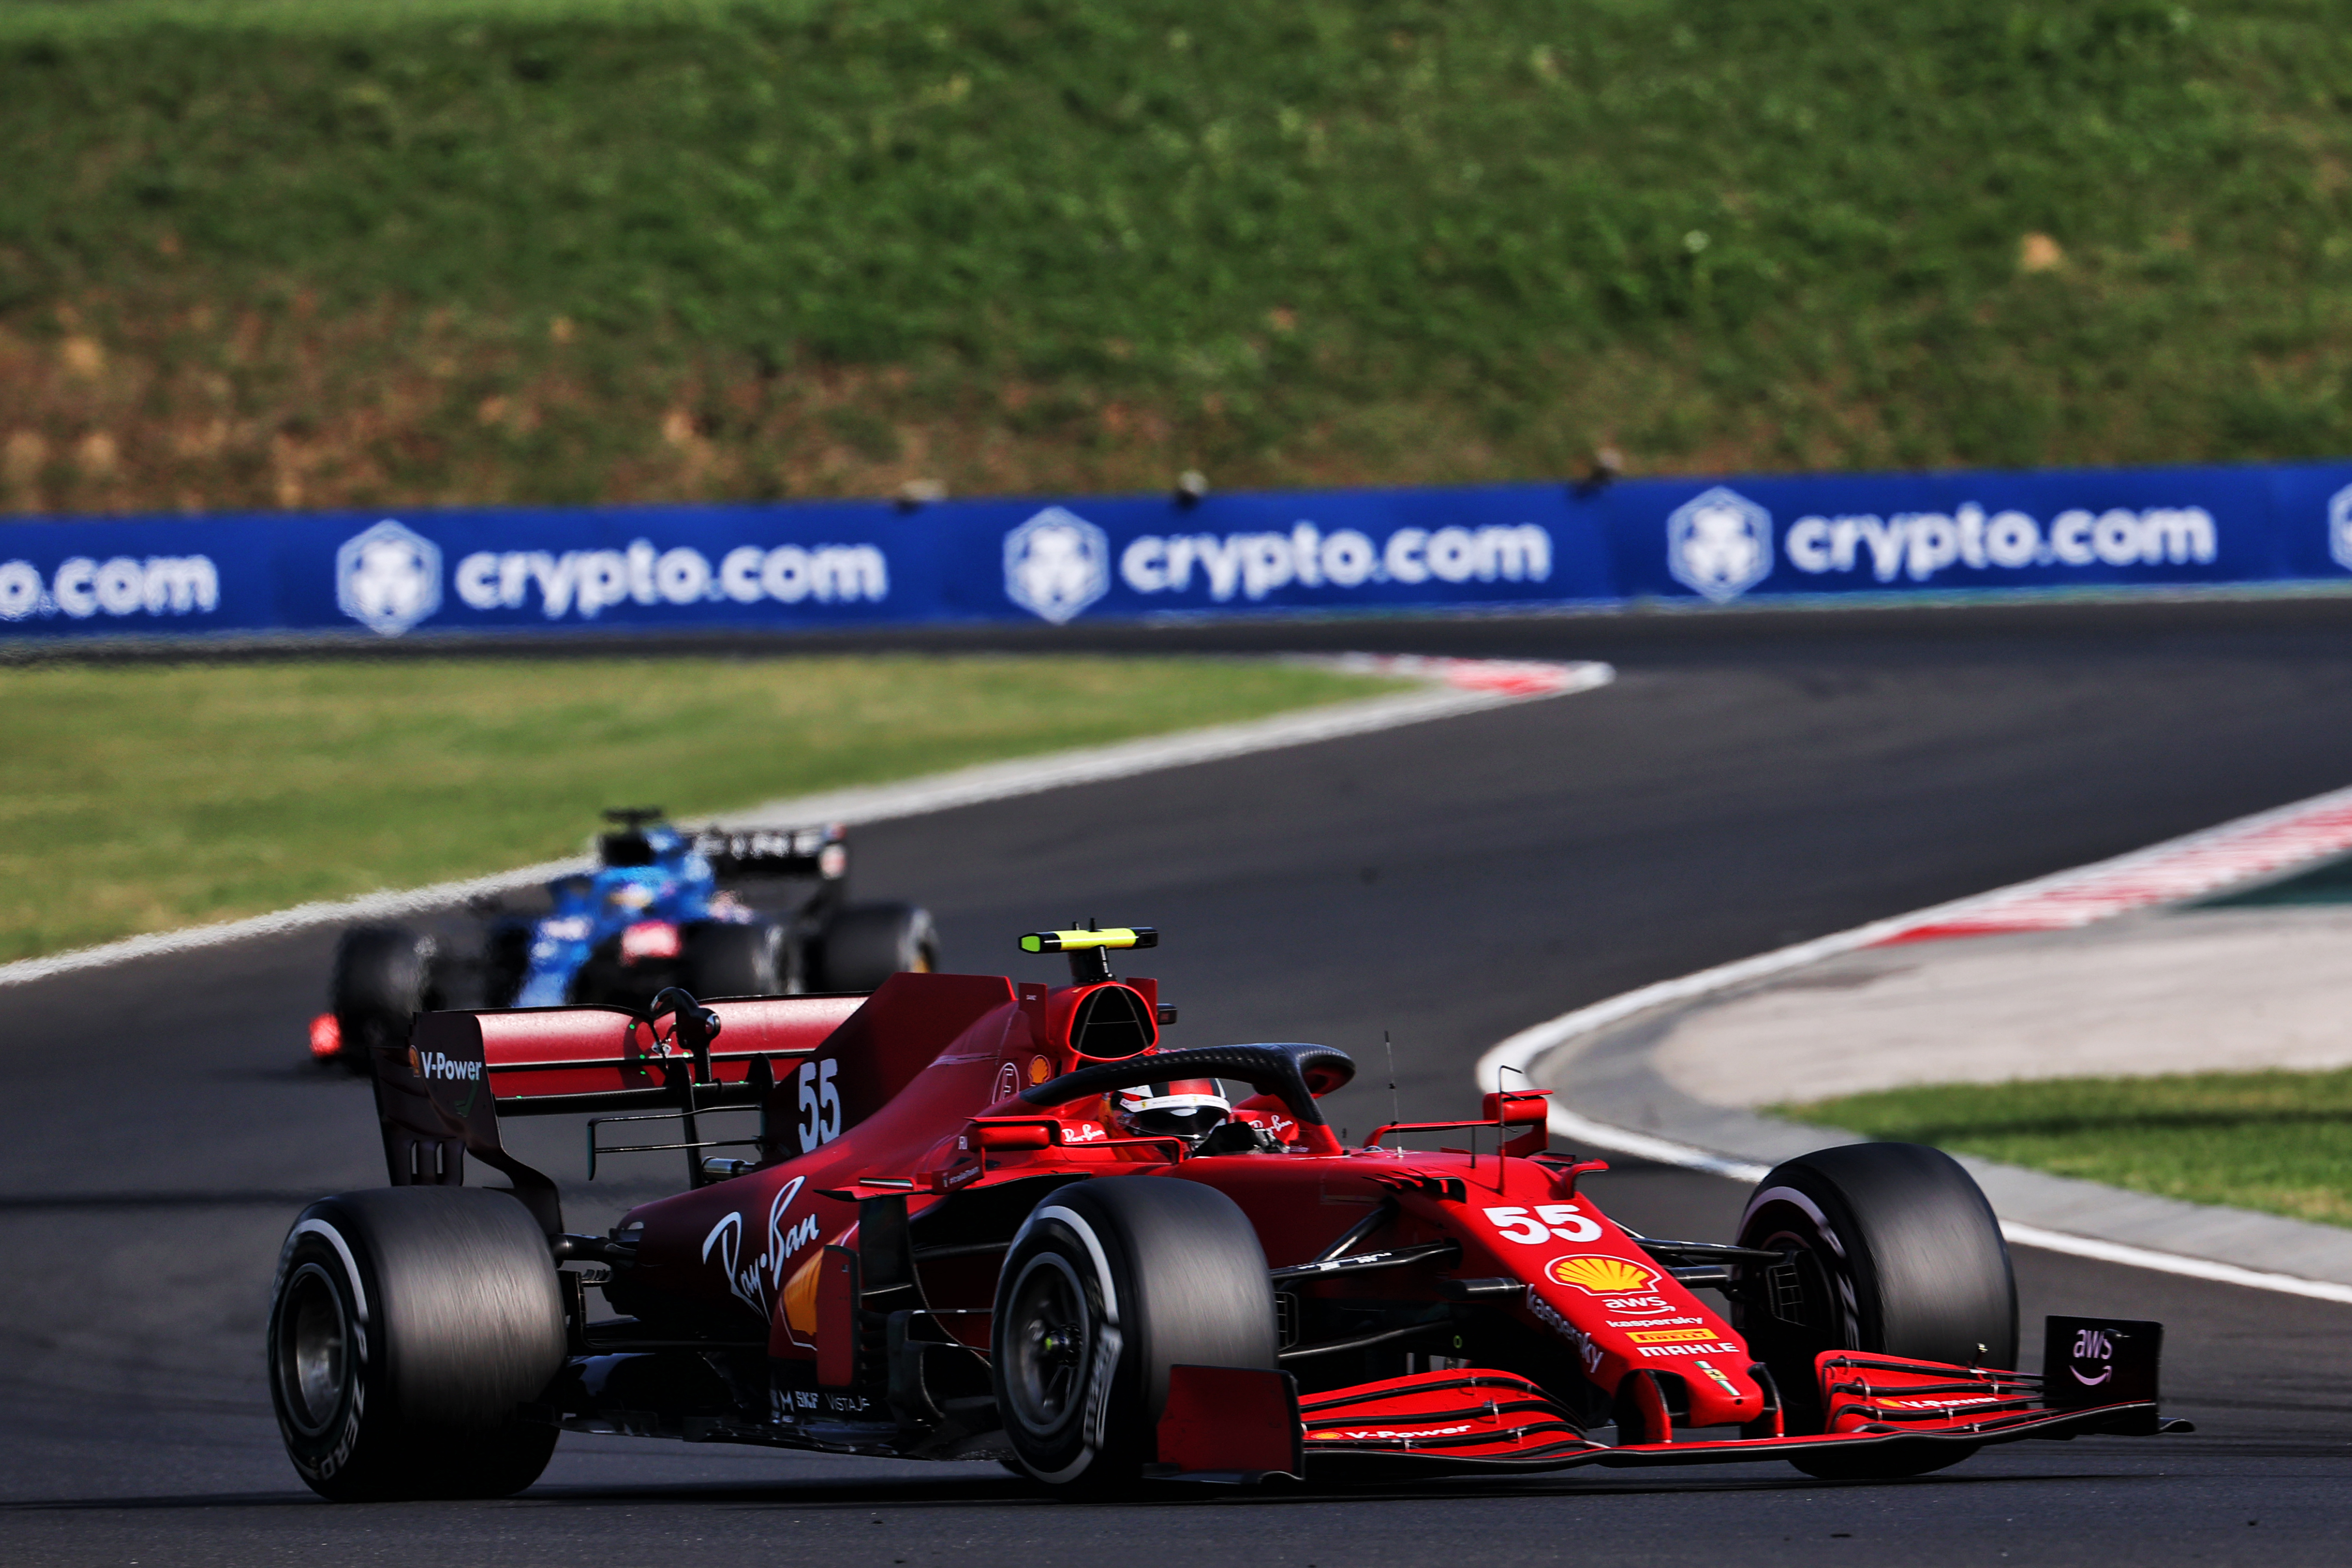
(1187, 1108)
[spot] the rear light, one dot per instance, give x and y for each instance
(326, 1037)
(648, 939)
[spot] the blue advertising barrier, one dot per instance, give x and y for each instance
(844, 565)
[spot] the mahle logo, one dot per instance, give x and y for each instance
(1055, 565)
(388, 578)
(1720, 544)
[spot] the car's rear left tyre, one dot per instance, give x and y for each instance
(865, 944)
(724, 960)
(380, 979)
(1896, 1251)
(406, 1324)
(1108, 1284)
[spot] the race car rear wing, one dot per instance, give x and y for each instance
(542, 1061)
(440, 1097)
(738, 853)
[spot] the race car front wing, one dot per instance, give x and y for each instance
(2102, 1378)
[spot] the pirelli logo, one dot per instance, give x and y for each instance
(1669, 1336)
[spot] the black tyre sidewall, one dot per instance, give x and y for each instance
(1831, 1291)
(354, 1454)
(1065, 1451)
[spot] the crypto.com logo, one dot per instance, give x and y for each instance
(1720, 544)
(388, 579)
(1055, 565)
(2340, 527)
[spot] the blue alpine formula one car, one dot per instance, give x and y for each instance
(755, 913)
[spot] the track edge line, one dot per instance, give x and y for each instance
(1524, 1051)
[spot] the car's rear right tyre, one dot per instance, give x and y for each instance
(727, 960)
(865, 944)
(1896, 1251)
(1108, 1284)
(379, 985)
(406, 1324)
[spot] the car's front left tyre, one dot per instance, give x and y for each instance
(406, 1325)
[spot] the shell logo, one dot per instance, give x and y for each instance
(1599, 1276)
(1040, 1070)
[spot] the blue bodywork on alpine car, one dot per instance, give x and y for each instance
(643, 904)
(721, 911)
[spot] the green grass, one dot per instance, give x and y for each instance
(137, 798)
(263, 252)
(2279, 1142)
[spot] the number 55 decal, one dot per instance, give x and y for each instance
(1560, 1220)
(821, 1105)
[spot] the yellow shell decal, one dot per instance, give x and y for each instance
(1599, 1275)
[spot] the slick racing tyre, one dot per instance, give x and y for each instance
(381, 977)
(865, 944)
(1896, 1251)
(724, 960)
(1108, 1284)
(405, 1325)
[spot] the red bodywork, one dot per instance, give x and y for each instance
(1527, 1315)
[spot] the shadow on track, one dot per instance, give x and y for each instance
(817, 1495)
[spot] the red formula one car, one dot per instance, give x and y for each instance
(952, 1238)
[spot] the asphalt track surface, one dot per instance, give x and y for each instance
(1749, 781)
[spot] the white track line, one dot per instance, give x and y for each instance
(2209, 851)
(2174, 1263)
(1454, 687)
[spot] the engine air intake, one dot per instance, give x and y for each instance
(1112, 1023)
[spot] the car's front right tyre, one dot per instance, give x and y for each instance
(1892, 1249)
(406, 1325)
(1109, 1285)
